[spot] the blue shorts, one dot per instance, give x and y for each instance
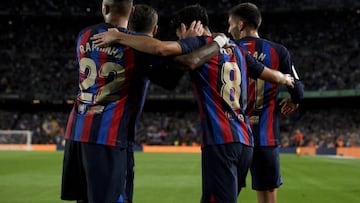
(93, 173)
(265, 168)
(224, 170)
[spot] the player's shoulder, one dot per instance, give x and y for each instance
(124, 30)
(237, 47)
(278, 46)
(275, 45)
(189, 44)
(103, 27)
(97, 28)
(199, 39)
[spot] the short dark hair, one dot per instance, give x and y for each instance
(143, 19)
(249, 12)
(120, 7)
(188, 14)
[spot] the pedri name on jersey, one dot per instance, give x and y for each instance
(90, 47)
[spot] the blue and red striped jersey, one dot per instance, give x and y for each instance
(263, 108)
(220, 86)
(112, 87)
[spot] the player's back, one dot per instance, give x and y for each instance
(273, 56)
(105, 97)
(262, 97)
(220, 87)
(103, 72)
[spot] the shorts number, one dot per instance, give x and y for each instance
(111, 73)
(231, 78)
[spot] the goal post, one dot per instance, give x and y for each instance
(15, 140)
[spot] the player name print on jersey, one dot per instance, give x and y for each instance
(257, 56)
(90, 47)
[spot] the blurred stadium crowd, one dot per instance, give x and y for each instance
(319, 128)
(38, 62)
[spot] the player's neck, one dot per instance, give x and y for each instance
(118, 21)
(250, 33)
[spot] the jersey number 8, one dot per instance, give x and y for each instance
(231, 78)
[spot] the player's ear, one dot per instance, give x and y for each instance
(105, 9)
(241, 25)
(155, 30)
(132, 10)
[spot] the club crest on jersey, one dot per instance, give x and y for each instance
(81, 108)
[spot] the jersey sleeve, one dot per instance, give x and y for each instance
(296, 93)
(255, 68)
(287, 67)
(192, 43)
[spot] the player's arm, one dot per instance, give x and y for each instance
(166, 72)
(143, 43)
(170, 69)
(287, 66)
(200, 56)
(140, 43)
(277, 77)
(289, 105)
(258, 70)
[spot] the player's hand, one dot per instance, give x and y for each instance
(196, 29)
(288, 107)
(104, 39)
(289, 80)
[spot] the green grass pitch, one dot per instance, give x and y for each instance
(176, 178)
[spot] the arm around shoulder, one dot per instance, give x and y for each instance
(198, 57)
(141, 43)
(277, 77)
(203, 54)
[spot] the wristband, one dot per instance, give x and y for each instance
(220, 40)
